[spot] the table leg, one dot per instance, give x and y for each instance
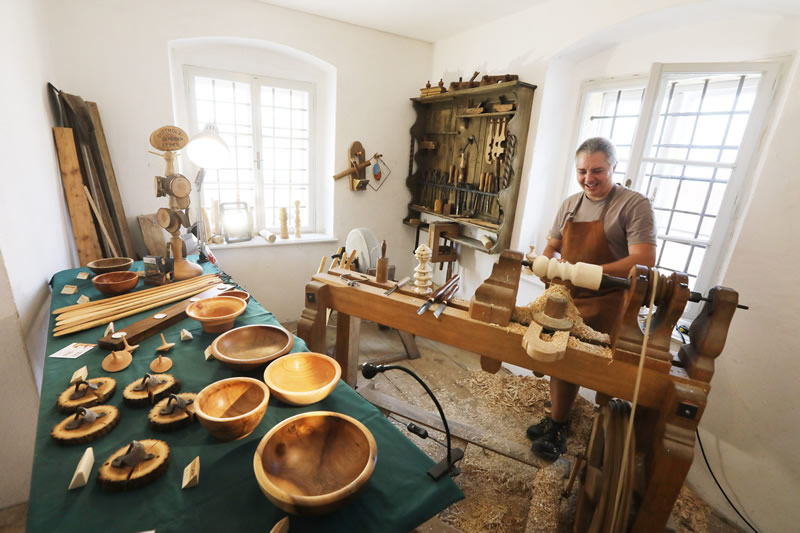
(348, 329)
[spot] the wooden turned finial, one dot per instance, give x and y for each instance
(422, 272)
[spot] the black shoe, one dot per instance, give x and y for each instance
(537, 430)
(551, 444)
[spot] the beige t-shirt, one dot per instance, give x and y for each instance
(629, 219)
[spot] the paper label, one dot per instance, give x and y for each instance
(82, 275)
(73, 351)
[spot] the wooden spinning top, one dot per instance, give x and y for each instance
(173, 412)
(149, 390)
(128, 347)
(86, 394)
(117, 361)
(162, 363)
(134, 465)
(86, 425)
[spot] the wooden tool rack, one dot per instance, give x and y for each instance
(469, 158)
(673, 391)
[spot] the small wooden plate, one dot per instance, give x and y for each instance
(87, 432)
(126, 477)
(105, 390)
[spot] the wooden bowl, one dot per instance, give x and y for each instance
(249, 347)
(231, 408)
(112, 264)
(216, 314)
(302, 378)
(113, 283)
(237, 294)
(313, 463)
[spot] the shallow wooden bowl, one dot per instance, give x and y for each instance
(302, 378)
(232, 408)
(113, 283)
(249, 347)
(313, 463)
(112, 264)
(237, 294)
(216, 314)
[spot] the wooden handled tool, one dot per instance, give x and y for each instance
(447, 297)
(352, 170)
(400, 284)
(438, 295)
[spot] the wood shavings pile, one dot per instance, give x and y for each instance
(524, 315)
(518, 393)
(545, 501)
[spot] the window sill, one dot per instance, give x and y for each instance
(258, 241)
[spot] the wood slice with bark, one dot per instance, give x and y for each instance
(177, 419)
(153, 393)
(68, 402)
(125, 477)
(107, 419)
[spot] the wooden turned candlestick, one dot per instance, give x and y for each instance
(117, 361)
(297, 218)
(283, 216)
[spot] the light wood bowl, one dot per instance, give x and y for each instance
(113, 283)
(313, 463)
(112, 264)
(249, 347)
(216, 314)
(232, 408)
(302, 378)
(236, 293)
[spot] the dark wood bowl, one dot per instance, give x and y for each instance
(112, 264)
(313, 463)
(249, 347)
(113, 283)
(216, 314)
(302, 378)
(232, 408)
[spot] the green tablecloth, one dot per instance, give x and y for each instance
(398, 497)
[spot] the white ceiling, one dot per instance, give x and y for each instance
(427, 20)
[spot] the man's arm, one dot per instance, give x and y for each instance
(553, 248)
(638, 254)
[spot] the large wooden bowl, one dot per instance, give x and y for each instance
(112, 264)
(313, 463)
(216, 314)
(113, 283)
(232, 408)
(249, 347)
(302, 378)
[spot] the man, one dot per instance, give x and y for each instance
(607, 225)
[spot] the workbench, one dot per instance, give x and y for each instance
(672, 397)
(398, 497)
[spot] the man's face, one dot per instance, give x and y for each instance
(594, 174)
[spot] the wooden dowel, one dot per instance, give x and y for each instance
(134, 301)
(102, 321)
(321, 268)
(100, 222)
(61, 323)
(131, 295)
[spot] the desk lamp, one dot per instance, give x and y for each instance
(446, 465)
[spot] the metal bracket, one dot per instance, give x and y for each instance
(149, 380)
(83, 415)
(80, 393)
(135, 455)
(175, 402)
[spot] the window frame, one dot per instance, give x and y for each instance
(256, 82)
(728, 218)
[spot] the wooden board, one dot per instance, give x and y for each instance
(105, 390)
(177, 419)
(155, 238)
(150, 395)
(87, 432)
(124, 478)
(110, 178)
(83, 228)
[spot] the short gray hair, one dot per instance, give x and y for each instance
(599, 144)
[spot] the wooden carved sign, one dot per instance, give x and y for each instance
(168, 138)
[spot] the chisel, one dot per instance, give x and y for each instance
(437, 296)
(400, 283)
(447, 298)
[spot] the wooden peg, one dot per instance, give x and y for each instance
(321, 268)
(83, 470)
(191, 474)
(349, 263)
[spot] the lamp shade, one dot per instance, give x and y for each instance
(207, 149)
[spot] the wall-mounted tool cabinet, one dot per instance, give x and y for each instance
(469, 148)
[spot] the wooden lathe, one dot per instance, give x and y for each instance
(674, 387)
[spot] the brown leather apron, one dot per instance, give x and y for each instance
(586, 242)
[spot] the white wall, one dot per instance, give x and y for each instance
(36, 239)
(122, 51)
(750, 428)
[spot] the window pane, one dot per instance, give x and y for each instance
(710, 130)
(664, 191)
(706, 227)
(683, 225)
(662, 219)
(715, 200)
(674, 256)
(698, 253)
(692, 196)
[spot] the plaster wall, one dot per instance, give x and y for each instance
(749, 428)
(124, 65)
(36, 237)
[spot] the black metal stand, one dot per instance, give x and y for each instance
(446, 465)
